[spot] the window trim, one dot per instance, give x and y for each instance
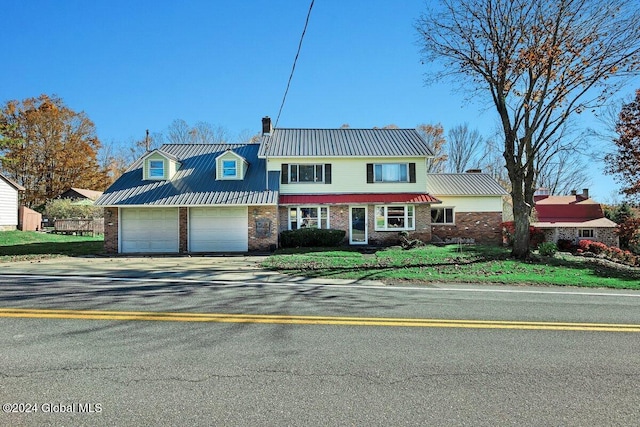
(315, 166)
(406, 218)
(591, 231)
(153, 168)
(411, 173)
(444, 216)
(224, 169)
(319, 218)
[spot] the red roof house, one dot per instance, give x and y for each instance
(575, 217)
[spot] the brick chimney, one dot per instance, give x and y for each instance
(266, 125)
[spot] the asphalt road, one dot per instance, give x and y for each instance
(136, 372)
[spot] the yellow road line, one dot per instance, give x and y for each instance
(310, 320)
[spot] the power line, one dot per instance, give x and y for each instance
(294, 63)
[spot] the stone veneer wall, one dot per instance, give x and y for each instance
(263, 238)
(111, 230)
(482, 227)
(604, 235)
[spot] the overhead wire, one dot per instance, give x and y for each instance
(295, 60)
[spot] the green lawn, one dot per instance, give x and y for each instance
(26, 245)
(469, 264)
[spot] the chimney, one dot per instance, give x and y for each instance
(585, 193)
(266, 125)
(473, 171)
(574, 192)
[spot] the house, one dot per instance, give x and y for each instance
(573, 218)
(9, 192)
(471, 208)
(80, 194)
(372, 183)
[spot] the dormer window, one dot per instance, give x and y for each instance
(231, 165)
(229, 169)
(156, 169)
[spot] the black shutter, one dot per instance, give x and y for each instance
(284, 174)
(369, 173)
(327, 173)
(412, 172)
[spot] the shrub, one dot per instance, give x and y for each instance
(547, 249)
(311, 237)
(65, 208)
(536, 236)
(565, 245)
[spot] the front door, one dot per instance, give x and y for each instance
(358, 228)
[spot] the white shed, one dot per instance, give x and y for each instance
(8, 203)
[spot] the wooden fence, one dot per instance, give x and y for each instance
(81, 226)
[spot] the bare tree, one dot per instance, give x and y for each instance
(434, 136)
(540, 62)
(179, 132)
(463, 149)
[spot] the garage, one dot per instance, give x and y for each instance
(149, 230)
(219, 229)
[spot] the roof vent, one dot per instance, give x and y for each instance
(473, 171)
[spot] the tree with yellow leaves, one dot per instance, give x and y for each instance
(46, 147)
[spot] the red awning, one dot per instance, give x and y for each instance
(340, 199)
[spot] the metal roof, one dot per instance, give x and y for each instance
(336, 199)
(344, 143)
(463, 184)
(194, 184)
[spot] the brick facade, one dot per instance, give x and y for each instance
(339, 220)
(111, 230)
(482, 227)
(263, 228)
(183, 230)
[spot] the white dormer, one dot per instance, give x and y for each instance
(230, 165)
(158, 165)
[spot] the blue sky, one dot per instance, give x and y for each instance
(134, 65)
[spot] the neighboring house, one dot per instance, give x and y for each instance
(472, 205)
(574, 218)
(78, 194)
(9, 191)
(372, 183)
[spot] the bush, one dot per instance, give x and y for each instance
(311, 237)
(536, 236)
(65, 208)
(565, 245)
(547, 249)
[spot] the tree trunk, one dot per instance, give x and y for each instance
(521, 211)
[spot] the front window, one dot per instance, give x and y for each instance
(586, 233)
(395, 218)
(156, 169)
(442, 216)
(229, 169)
(308, 217)
(306, 173)
(391, 172)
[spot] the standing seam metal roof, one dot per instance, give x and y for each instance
(344, 143)
(195, 184)
(463, 184)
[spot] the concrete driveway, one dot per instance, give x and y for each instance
(233, 268)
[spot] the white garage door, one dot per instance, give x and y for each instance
(218, 229)
(149, 230)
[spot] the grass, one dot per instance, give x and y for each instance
(469, 264)
(31, 245)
